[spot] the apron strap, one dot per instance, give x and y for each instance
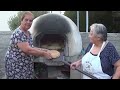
(103, 46)
(91, 48)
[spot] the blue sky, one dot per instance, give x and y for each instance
(5, 16)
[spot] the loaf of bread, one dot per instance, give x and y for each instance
(54, 53)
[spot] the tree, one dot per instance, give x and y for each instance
(73, 16)
(104, 17)
(14, 21)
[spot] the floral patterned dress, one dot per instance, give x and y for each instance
(18, 65)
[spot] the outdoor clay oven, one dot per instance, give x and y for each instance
(56, 32)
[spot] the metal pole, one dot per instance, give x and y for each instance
(78, 19)
(81, 71)
(87, 21)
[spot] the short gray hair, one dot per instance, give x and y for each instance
(100, 30)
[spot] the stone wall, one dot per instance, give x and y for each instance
(5, 38)
(4, 42)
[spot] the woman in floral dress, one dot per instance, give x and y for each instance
(19, 56)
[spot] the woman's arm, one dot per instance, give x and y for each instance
(43, 49)
(117, 70)
(24, 46)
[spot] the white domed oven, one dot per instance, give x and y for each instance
(58, 32)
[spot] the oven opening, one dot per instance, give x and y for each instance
(54, 70)
(53, 42)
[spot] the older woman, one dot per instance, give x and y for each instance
(101, 58)
(19, 57)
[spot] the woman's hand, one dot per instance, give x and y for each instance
(117, 71)
(46, 54)
(75, 64)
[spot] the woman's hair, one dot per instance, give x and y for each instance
(100, 30)
(26, 13)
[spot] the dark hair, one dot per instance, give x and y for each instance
(100, 30)
(26, 13)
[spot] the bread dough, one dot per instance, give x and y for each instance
(54, 53)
